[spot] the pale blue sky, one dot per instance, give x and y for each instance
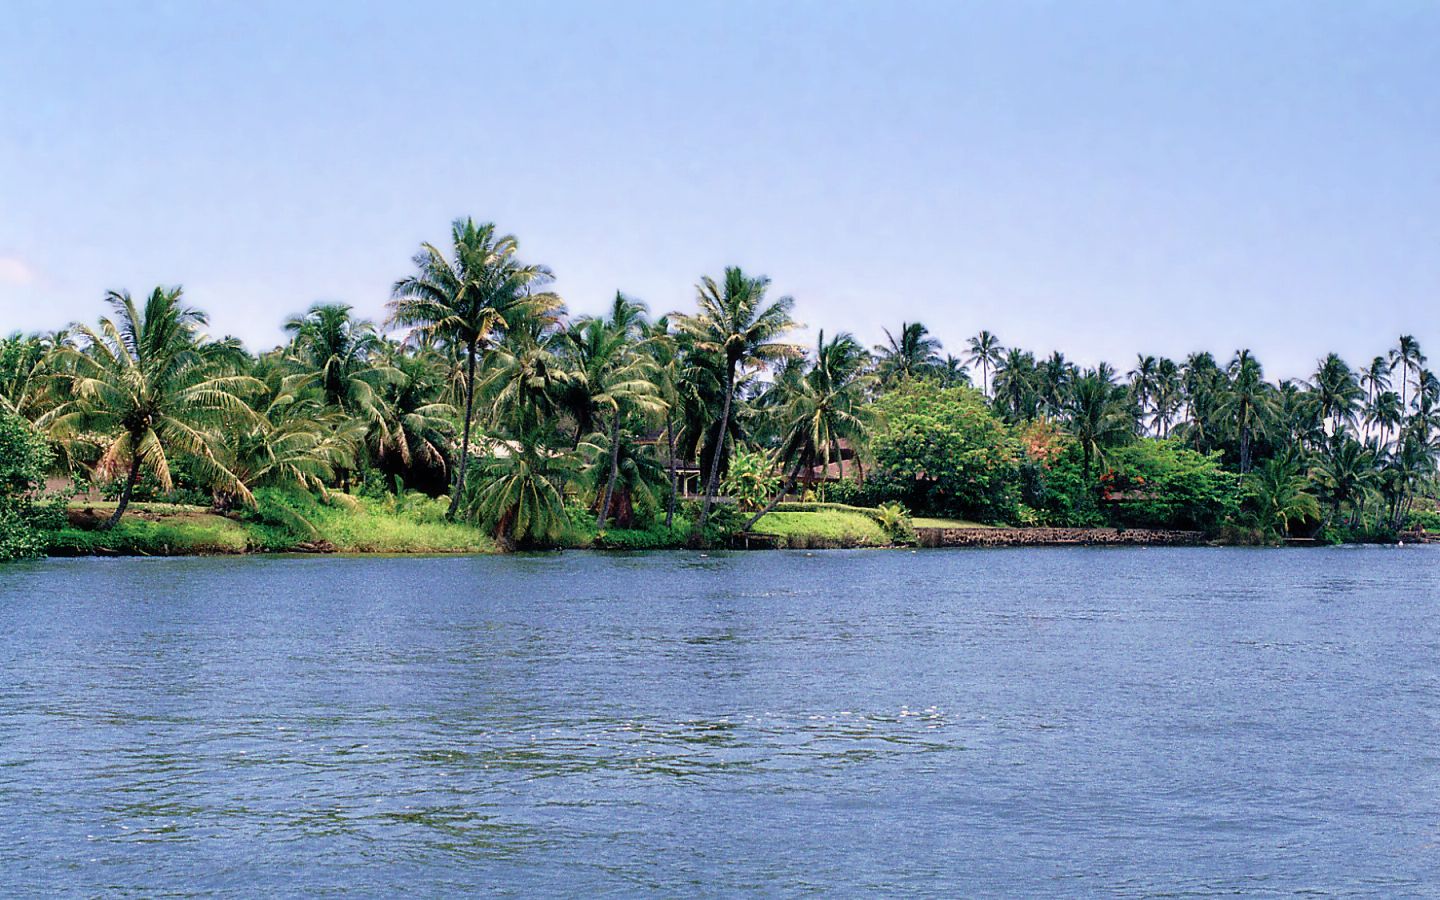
(1099, 178)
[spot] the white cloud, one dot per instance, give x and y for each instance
(14, 270)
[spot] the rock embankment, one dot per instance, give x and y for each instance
(1049, 537)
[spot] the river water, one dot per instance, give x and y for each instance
(1028, 722)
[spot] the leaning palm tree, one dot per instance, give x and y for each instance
(464, 301)
(736, 325)
(985, 350)
(145, 380)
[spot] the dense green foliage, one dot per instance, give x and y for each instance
(24, 458)
(497, 419)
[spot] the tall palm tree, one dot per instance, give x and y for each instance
(1337, 393)
(617, 377)
(1408, 358)
(1142, 384)
(1246, 402)
(820, 410)
(736, 324)
(1096, 417)
(145, 380)
(1016, 393)
(1056, 374)
(1167, 395)
(985, 350)
(660, 345)
(1384, 416)
(913, 353)
(464, 301)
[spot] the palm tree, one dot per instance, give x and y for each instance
(953, 373)
(1408, 357)
(416, 426)
(1096, 417)
(465, 301)
(617, 378)
(1278, 489)
(1375, 378)
(1337, 393)
(1016, 392)
(342, 355)
(821, 409)
(913, 353)
(1345, 475)
(1142, 384)
(145, 379)
(1246, 402)
(1167, 395)
(985, 352)
(1055, 375)
(738, 326)
(1385, 415)
(664, 351)
(520, 497)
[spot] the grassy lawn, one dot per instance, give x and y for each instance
(827, 527)
(921, 522)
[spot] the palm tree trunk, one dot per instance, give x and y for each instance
(604, 513)
(125, 492)
(784, 489)
(674, 487)
(465, 432)
(714, 477)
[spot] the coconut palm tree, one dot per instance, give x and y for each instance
(1097, 418)
(913, 353)
(1142, 385)
(1167, 395)
(1408, 358)
(1016, 386)
(1345, 475)
(1384, 415)
(1278, 488)
(985, 350)
(1337, 393)
(519, 494)
(741, 329)
(464, 301)
(1055, 375)
(819, 410)
(1246, 403)
(145, 380)
(616, 377)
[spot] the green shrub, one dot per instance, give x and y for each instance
(24, 518)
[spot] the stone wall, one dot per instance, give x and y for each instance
(1048, 537)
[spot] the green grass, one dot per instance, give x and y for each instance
(154, 530)
(823, 528)
(923, 522)
(283, 521)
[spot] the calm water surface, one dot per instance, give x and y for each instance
(1132, 722)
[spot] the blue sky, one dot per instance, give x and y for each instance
(1100, 178)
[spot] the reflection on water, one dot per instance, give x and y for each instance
(1031, 722)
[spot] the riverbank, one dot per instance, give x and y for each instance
(285, 524)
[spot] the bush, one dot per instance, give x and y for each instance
(24, 456)
(943, 452)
